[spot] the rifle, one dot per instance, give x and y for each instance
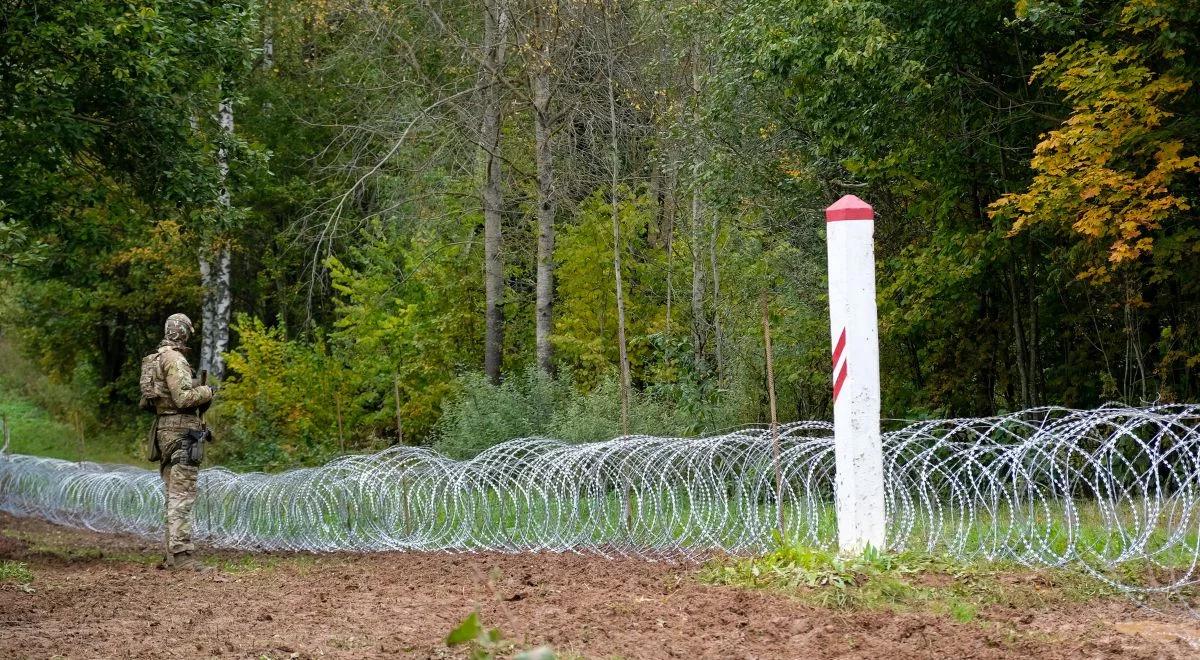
(195, 439)
(204, 406)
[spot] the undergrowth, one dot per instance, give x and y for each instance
(15, 572)
(904, 582)
(57, 419)
(482, 643)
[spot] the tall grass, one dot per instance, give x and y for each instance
(58, 419)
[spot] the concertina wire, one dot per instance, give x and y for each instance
(1044, 487)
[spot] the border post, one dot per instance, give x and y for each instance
(854, 329)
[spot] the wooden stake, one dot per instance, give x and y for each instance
(399, 419)
(78, 424)
(337, 402)
(766, 317)
(404, 485)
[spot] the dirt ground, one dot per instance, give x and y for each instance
(99, 596)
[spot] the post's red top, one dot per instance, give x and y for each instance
(849, 207)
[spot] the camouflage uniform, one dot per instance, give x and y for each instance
(177, 406)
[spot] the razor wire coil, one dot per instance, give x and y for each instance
(1042, 487)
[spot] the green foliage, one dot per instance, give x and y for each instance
(404, 318)
(903, 582)
(830, 62)
(400, 329)
(57, 418)
(108, 170)
(1008, 149)
(16, 247)
(15, 572)
(483, 644)
(287, 412)
(531, 404)
(586, 325)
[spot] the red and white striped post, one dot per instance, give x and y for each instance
(854, 328)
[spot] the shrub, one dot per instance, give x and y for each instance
(280, 405)
(482, 414)
(532, 404)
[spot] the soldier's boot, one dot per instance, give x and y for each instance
(184, 561)
(167, 563)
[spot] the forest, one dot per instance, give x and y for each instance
(454, 222)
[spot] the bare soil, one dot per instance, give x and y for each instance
(99, 596)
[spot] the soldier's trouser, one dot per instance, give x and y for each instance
(180, 481)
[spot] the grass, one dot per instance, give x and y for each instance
(15, 572)
(33, 431)
(74, 434)
(907, 582)
(256, 563)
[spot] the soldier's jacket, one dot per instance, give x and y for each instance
(181, 393)
(176, 404)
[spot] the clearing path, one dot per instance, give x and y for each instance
(97, 595)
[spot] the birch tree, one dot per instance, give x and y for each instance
(216, 267)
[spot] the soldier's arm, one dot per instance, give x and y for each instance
(179, 381)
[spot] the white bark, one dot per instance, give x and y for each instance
(268, 53)
(216, 272)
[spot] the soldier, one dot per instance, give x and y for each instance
(178, 403)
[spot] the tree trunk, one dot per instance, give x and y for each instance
(495, 35)
(544, 154)
(699, 320)
(216, 272)
(669, 229)
(268, 51)
(616, 225)
(1036, 381)
(1019, 336)
(718, 339)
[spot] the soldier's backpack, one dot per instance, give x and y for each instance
(153, 383)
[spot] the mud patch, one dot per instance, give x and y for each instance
(95, 596)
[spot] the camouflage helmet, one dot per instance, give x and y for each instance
(178, 329)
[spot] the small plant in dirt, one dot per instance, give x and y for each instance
(905, 581)
(871, 579)
(485, 644)
(17, 573)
